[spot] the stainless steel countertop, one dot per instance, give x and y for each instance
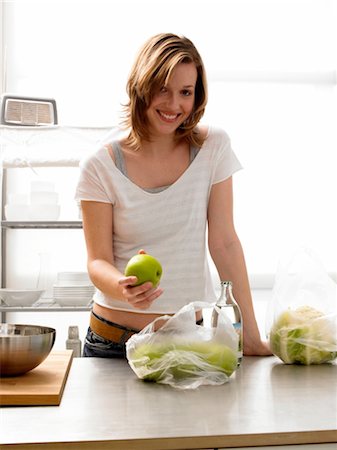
(104, 406)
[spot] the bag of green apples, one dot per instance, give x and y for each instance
(182, 353)
(302, 315)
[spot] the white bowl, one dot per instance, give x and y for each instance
(44, 212)
(20, 297)
(17, 199)
(72, 301)
(42, 185)
(73, 275)
(44, 198)
(73, 279)
(16, 212)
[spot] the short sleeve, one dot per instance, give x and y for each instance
(226, 162)
(91, 182)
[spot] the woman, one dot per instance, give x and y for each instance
(163, 187)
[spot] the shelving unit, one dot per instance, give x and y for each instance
(41, 224)
(51, 146)
(40, 308)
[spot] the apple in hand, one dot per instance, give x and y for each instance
(145, 267)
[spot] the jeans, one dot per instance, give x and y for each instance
(97, 346)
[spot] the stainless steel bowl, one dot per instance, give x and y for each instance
(23, 347)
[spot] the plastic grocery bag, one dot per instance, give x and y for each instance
(302, 315)
(183, 354)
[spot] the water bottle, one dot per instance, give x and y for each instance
(227, 303)
(73, 342)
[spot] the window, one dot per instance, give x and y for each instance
(272, 79)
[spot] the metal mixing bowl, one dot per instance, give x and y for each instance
(23, 347)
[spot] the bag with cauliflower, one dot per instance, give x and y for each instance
(302, 316)
(182, 353)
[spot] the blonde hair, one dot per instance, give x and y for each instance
(151, 70)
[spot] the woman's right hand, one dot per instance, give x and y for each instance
(140, 297)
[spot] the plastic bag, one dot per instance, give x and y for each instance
(302, 315)
(183, 354)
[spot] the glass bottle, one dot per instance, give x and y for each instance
(73, 342)
(227, 303)
(44, 278)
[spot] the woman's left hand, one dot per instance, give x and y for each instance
(257, 348)
(140, 296)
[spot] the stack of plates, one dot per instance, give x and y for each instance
(73, 289)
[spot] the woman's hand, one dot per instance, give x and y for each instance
(140, 297)
(255, 347)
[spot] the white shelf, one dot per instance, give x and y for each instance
(44, 307)
(50, 146)
(72, 224)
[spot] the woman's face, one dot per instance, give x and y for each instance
(172, 104)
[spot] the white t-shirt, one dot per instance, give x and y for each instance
(170, 225)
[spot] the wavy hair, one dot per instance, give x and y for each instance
(151, 70)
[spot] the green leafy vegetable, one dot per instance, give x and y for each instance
(153, 362)
(304, 336)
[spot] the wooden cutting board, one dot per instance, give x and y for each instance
(43, 385)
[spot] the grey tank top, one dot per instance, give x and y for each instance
(120, 163)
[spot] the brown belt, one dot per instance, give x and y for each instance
(111, 332)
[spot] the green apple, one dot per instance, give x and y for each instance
(145, 267)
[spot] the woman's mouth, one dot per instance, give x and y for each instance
(168, 117)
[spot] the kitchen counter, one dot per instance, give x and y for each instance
(104, 406)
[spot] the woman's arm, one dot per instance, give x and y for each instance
(227, 254)
(98, 231)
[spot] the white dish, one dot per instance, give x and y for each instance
(17, 199)
(73, 279)
(74, 288)
(72, 295)
(77, 296)
(72, 275)
(20, 297)
(70, 301)
(16, 212)
(41, 185)
(44, 198)
(44, 212)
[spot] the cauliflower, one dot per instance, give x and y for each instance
(304, 336)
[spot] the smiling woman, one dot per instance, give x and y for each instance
(165, 211)
(273, 91)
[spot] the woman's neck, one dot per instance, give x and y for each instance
(162, 145)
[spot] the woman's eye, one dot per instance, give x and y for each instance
(186, 93)
(163, 89)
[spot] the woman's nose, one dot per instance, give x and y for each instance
(173, 100)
